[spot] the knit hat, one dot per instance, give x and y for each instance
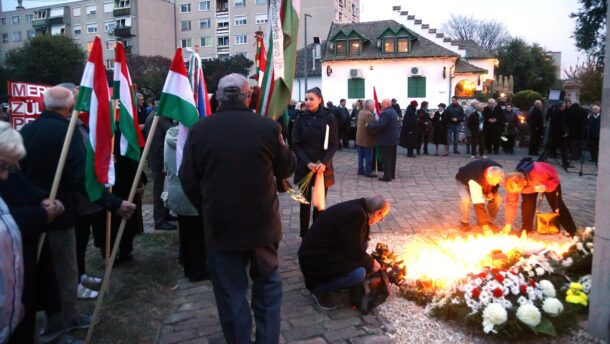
(414, 103)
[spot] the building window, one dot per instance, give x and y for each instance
(204, 5)
(340, 48)
(123, 4)
(109, 26)
(262, 18)
(77, 30)
(261, 2)
(123, 22)
(76, 12)
(185, 8)
(110, 64)
(15, 20)
(17, 36)
(354, 9)
(403, 45)
(240, 3)
(92, 28)
(354, 46)
(389, 45)
(241, 39)
(90, 9)
(110, 45)
(240, 21)
(108, 7)
(2, 21)
(29, 17)
(206, 42)
(205, 24)
(355, 88)
(185, 25)
(223, 41)
(5, 38)
(31, 34)
(222, 24)
(186, 43)
(416, 87)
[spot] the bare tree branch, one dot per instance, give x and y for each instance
(489, 34)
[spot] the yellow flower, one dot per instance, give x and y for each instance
(575, 294)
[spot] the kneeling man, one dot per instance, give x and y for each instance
(333, 253)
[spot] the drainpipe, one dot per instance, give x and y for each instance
(175, 26)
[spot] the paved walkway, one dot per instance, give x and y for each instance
(423, 200)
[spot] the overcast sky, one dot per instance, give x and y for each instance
(546, 22)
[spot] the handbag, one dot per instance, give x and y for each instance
(546, 223)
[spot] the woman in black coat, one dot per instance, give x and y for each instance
(408, 132)
(308, 136)
(424, 128)
(439, 129)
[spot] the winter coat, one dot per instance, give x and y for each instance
(11, 273)
(557, 124)
(365, 136)
(424, 122)
(408, 132)
(493, 130)
(455, 114)
(476, 123)
(593, 127)
(439, 128)
(308, 143)
(511, 121)
(388, 128)
(576, 119)
(173, 195)
(536, 122)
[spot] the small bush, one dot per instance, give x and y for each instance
(525, 99)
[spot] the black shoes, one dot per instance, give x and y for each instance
(384, 179)
(165, 226)
(324, 301)
(370, 175)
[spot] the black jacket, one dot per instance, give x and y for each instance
(536, 122)
(155, 154)
(475, 170)
(308, 143)
(557, 124)
(387, 127)
(455, 111)
(474, 121)
(593, 127)
(336, 243)
(493, 129)
(576, 120)
(230, 163)
(408, 132)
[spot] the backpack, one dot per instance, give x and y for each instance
(371, 293)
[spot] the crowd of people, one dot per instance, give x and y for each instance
(236, 162)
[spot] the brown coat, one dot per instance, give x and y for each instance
(365, 137)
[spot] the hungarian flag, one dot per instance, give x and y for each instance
(177, 101)
(261, 58)
(377, 108)
(131, 137)
(94, 97)
(276, 87)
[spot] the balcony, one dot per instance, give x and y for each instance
(40, 23)
(222, 15)
(123, 31)
(54, 21)
(222, 31)
(119, 12)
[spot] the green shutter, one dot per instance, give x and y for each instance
(416, 87)
(355, 88)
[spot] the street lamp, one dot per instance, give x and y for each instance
(305, 52)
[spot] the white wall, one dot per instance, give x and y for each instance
(390, 79)
(298, 89)
(488, 64)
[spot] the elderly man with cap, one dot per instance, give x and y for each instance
(230, 163)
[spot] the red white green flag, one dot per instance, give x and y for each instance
(261, 58)
(276, 87)
(131, 137)
(177, 101)
(94, 97)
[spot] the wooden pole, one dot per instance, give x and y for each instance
(60, 169)
(115, 104)
(117, 240)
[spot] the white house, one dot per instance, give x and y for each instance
(400, 63)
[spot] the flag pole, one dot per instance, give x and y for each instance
(115, 248)
(115, 105)
(60, 169)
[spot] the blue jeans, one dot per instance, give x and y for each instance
(351, 279)
(230, 282)
(365, 158)
(453, 130)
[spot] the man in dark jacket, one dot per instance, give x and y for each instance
(343, 122)
(593, 129)
(478, 182)
(455, 117)
(475, 126)
(536, 124)
(388, 134)
(576, 120)
(409, 130)
(558, 134)
(230, 163)
(333, 253)
(493, 126)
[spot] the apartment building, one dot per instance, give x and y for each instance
(221, 28)
(146, 27)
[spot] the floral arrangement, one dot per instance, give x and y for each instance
(299, 191)
(538, 293)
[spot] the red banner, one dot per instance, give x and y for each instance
(25, 102)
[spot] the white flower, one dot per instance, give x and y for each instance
(589, 245)
(552, 306)
(529, 315)
(515, 290)
(523, 300)
(507, 304)
(539, 271)
(547, 288)
(494, 314)
(579, 246)
(530, 273)
(567, 262)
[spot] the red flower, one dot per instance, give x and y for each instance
(532, 283)
(499, 278)
(523, 289)
(498, 292)
(494, 271)
(483, 275)
(475, 293)
(514, 272)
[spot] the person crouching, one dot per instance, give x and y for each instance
(333, 254)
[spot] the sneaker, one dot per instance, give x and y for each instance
(324, 300)
(84, 293)
(90, 281)
(80, 322)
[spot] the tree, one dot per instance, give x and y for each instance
(148, 73)
(530, 67)
(219, 67)
(591, 75)
(47, 60)
(489, 34)
(590, 30)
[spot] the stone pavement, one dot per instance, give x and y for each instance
(423, 200)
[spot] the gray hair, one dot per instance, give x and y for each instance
(57, 98)
(495, 171)
(233, 87)
(375, 203)
(368, 102)
(11, 143)
(67, 85)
